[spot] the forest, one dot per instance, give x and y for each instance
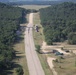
(59, 23)
(10, 19)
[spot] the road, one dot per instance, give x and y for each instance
(33, 62)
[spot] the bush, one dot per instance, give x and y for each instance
(62, 48)
(19, 71)
(72, 38)
(38, 48)
(55, 60)
(49, 42)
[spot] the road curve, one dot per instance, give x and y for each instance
(33, 62)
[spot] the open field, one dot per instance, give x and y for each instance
(66, 66)
(36, 7)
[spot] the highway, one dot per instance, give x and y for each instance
(33, 62)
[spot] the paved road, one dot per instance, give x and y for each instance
(34, 65)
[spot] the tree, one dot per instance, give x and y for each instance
(72, 38)
(19, 71)
(49, 42)
(9, 25)
(58, 22)
(38, 48)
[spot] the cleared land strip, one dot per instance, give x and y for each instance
(32, 58)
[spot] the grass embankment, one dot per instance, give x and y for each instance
(20, 53)
(38, 39)
(21, 57)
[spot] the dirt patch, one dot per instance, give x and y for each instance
(51, 65)
(49, 59)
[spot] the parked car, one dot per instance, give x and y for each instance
(58, 53)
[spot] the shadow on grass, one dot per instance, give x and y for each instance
(17, 58)
(6, 73)
(18, 52)
(9, 72)
(14, 64)
(44, 52)
(19, 39)
(20, 55)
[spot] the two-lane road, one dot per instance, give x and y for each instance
(33, 62)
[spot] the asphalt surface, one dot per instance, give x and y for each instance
(33, 62)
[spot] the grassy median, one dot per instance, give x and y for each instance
(38, 39)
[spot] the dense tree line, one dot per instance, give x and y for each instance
(10, 18)
(59, 22)
(39, 2)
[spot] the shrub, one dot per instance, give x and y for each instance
(38, 48)
(19, 71)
